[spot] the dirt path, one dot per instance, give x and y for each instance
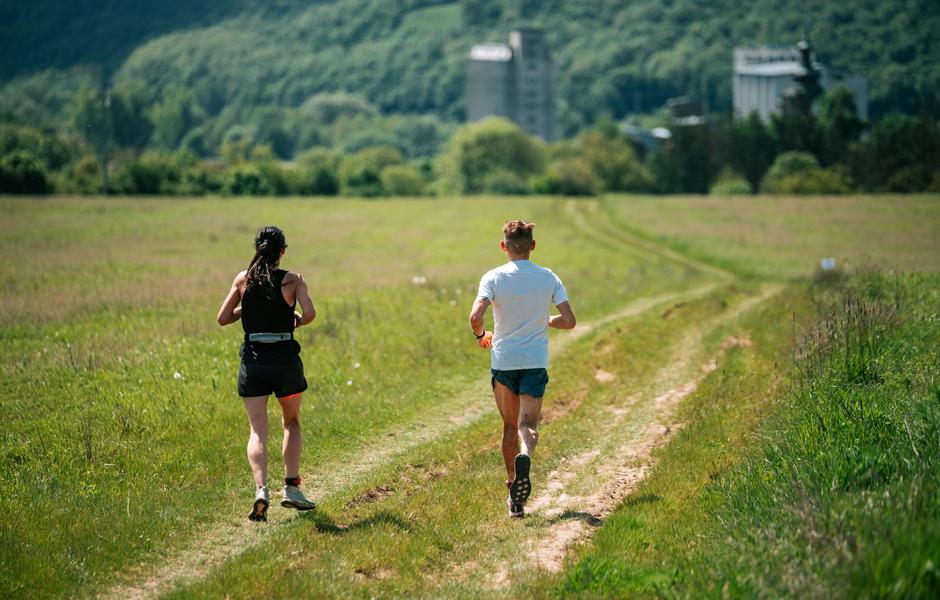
(577, 496)
(612, 471)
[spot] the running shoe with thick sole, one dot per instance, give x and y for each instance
(259, 510)
(521, 487)
(294, 498)
(515, 510)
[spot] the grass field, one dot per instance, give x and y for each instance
(125, 438)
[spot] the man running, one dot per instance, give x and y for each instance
(521, 293)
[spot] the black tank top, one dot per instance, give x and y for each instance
(264, 310)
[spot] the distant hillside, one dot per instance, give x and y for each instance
(409, 55)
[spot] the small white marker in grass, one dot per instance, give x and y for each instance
(177, 375)
(827, 264)
(356, 366)
(419, 280)
(349, 382)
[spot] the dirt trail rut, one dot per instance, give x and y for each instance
(612, 471)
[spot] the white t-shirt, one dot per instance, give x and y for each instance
(522, 294)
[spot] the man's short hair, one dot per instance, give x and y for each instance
(518, 235)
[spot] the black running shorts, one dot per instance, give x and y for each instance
(262, 380)
(530, 382)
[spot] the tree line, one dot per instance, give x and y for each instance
(359, 152)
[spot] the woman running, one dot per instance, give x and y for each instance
(270, 360)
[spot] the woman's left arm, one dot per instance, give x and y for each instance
(231, 312)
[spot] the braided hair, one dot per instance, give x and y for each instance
(269, 241)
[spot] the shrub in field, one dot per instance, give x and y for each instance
(800, 173)
(402, 180)
(82, 177)
(568, 177)
(819, 181)
(613, 161)
(361, 173)
(22, 173)
(317, 173)
(493, 153)
(501, 181)
(730, 183)
(52, 150)
(151, 173)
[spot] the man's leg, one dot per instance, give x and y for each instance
(508, 404)
(530, 411)
(257, 409)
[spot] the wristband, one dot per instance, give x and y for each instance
(481, 335)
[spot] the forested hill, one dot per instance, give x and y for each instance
(409, 55)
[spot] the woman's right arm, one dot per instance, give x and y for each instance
(231, 312)
(302, 294)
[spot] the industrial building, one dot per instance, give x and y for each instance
(764, 76)
(515, 81)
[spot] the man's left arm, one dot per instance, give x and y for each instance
(565, 319)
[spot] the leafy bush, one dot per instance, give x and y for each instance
(819, 181)
(402, 180)
(611, 157)
(82, 177)
(730, 186)
(730, 183)
(361, 173)
(568, 177)
(501, 181)
(789, 165)
(22, 173)
(491, 155)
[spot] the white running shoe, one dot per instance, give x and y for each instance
(294, 498)
(259, 510)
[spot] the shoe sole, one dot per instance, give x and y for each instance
(259, 511)
(295, 506)
(521, 486)
(516, 515)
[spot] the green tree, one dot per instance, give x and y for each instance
(612, 160)
(748, 148)
(839, 125)
(684, 164)
(361, 173)
(402, 180)
(901, 154)
(93, 119)
(22, 173)
(172, 117)
(480, 150)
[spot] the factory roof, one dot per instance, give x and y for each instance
(770, 69)
(491, 52)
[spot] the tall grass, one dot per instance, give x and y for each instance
(843, 496)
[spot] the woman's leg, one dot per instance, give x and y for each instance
(257, 409)
(290, 416)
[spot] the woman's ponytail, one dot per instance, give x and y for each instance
(269, 242)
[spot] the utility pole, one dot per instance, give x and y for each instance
(105, 151)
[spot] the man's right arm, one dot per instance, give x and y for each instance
(484, 337)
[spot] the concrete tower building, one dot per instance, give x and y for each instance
(763, 76)
(515, 81)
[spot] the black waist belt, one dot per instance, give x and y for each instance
(268, 338)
